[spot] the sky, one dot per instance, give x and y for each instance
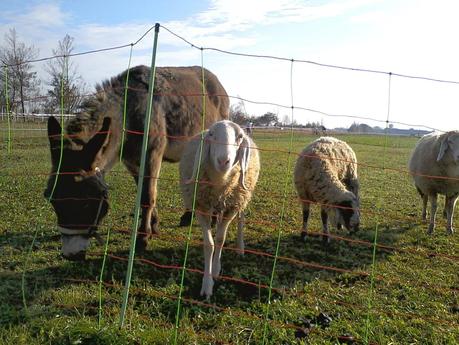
(410, 37)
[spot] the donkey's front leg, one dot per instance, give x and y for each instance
(150, 220)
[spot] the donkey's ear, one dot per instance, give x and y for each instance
(94, 145)
(443, 147)
(54, 136)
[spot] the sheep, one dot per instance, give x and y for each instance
(226, 177)
(326, 173)
(434, 166)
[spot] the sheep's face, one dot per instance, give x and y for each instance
(449, 148)
(453, 143)
(348, 214)
(224, 139)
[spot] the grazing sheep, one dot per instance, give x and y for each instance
(227, 176)
(326, 173)
(434, 165)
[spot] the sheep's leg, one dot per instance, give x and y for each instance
(304, 231)
(207, 281)
(240, 233)
(325, 231)
(449, 207)
(445, 212)
(222, 228)
(425, 198)
(433, 212)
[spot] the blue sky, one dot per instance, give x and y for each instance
(411, 37)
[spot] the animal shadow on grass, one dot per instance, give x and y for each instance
(244, 278)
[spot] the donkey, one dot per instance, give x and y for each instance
(91, 146)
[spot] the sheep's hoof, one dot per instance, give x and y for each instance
(430, 229)
(326, 240)
(207, 287)
(449, 231)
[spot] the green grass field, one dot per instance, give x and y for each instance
(409, 296)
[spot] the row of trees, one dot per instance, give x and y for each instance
(22, 89)
(239, 115)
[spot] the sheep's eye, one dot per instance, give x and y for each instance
(239, 137)
(211, 134)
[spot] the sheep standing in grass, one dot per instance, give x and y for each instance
(326, 173)
(434, 165)
(226, 179)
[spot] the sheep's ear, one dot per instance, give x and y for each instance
(202, 156)
(243, 157)
(443, 147)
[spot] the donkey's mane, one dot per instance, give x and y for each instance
(88, 121)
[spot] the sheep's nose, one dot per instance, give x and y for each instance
(223, 161)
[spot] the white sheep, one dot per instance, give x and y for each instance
(227, 176)
(326, 173)
(434, 166)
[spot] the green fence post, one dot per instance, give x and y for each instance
(146, 131)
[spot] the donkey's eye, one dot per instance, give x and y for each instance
(78, 178)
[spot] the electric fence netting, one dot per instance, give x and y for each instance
(389, 282)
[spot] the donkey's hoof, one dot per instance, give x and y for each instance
(304, 236)
(185, 219)
(141, 244)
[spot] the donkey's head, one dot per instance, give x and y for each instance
(76, 188)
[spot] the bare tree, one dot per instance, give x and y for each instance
(67, 87)
(23, 82)
(238, 115)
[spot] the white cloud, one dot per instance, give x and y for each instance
(47, 15)
(413, 37)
